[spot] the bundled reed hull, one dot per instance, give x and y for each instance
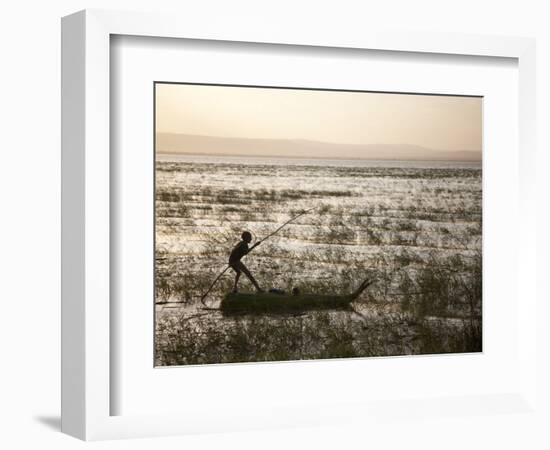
(269, 302)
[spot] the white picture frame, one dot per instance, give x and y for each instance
(86, 221)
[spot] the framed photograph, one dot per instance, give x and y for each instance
(257, 222)
(369, 247)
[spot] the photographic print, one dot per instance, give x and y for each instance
(300, 224)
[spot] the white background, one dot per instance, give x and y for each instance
(29, 327)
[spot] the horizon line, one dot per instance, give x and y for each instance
(480, 151)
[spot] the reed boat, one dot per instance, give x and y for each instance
(267, 302)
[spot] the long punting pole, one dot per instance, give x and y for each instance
(285, 224)
(261, 240)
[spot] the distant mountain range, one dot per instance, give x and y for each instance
(297, 148)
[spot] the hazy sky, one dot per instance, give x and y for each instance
(435, 122)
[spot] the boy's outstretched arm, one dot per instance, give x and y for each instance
(254, 246)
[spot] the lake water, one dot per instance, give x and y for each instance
(412, 226)
(317, 162)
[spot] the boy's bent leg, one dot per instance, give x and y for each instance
(250, 277)
(237, 276)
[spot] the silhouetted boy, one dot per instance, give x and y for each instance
(237, 265)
